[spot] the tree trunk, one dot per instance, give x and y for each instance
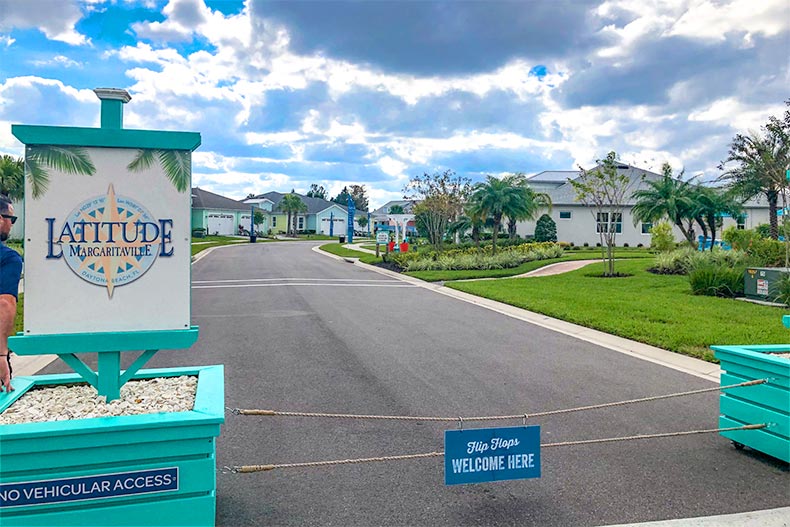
(294, 230)
(773, 197)
(511, 228)
(687, 233)
(288, 224)
(493, 238)
(476, 235)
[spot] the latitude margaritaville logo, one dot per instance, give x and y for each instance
(109, 240)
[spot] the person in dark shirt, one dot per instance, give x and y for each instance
(10, 272)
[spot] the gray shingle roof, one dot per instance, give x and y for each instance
(553, 176)
(203, 199)
(407, 204)
(314, 205)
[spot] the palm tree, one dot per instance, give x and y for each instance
(287, 205)
(496, 198)
(298, 206)
(396, 209)
(176, 164)
(713, 204)
(68, 159)
(527, 208)
(12, 177)
(667, 197)
(762, 162)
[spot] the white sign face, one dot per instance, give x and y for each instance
(107, 244)
(382, 237)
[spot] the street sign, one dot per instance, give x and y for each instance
(480, 455)
(382, 237)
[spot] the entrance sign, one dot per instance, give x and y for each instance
(481, 455)
(382, 237)
(107, 240)
(88, 487)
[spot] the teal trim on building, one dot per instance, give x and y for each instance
(103, 137)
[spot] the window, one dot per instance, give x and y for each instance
(741, 222)
(565, 214)
(602, 222)
(274, 221)
(646, 228)
(301, 223)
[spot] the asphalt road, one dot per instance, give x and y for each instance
(303, 332)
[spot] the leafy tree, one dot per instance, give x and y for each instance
(669, 197)
(396, 209)
(604, 189)
(357, 194)
(12, 177)
(250, 196)
(257, 218)
(545, 229)
(442, 196)
(661, 238)
(317, 191)
(760, 165)
(362, 221)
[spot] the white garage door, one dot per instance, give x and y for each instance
(221, 224)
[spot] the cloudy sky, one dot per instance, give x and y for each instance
(286, 94)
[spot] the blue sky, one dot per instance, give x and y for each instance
(289, 93)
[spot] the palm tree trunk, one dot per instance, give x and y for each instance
(493, 238)
(511, 228)
(773, 198)
(288, 224)
(476, 235)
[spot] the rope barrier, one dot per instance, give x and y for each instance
(245, 469)
(240, 411)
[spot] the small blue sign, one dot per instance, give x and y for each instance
(480, 455)
(88, 487)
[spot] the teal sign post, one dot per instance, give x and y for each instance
(107, 271)
(481, 455)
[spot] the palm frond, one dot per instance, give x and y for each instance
(143, 161)
(68, 159)
(37, 176)
(177, 165)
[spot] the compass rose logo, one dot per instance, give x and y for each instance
(110, 240)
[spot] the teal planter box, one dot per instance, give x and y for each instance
(150, 469)
(764, 403)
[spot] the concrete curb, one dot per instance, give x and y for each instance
(766, 518)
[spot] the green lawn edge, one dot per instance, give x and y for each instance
(659, 310)
(338, 250)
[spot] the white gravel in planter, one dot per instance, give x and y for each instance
(80, 401)
(785, 355)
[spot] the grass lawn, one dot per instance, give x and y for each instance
(654, 309)
(439, 276)
(338, 250)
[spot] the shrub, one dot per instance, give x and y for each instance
(639, 245)
(625, 245)
(661, 238)
(685, 260)
(763, 230)
(740, 239)
(767, 252)
(586, 244)
(783, 290)
(717, 280)
(545, 229)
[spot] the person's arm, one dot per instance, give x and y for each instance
(7, 316)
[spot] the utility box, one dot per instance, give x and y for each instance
(761, 283)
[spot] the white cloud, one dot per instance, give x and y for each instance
(6, 40)
(709, 21)
(55, 18)
(58, 60)
(738, 115)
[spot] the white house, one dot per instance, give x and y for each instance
(579, 224)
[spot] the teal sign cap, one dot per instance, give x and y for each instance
(481, 455)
